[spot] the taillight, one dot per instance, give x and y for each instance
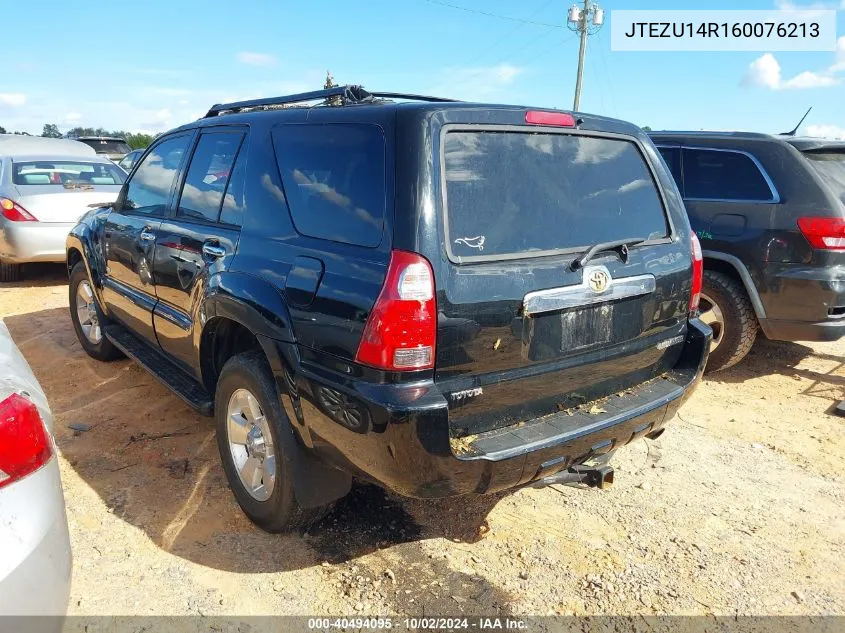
(15, 212)
(556, 119)
(401, 330)
(24, 445)
(824, 233)
(697, 274)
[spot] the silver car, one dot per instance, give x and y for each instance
(35, 558)
(45, 187)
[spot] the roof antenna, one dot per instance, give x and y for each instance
(792, 133)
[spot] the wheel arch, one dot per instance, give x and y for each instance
(733, 267)
(255, 312)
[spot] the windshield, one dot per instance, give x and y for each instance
(46, 172)
(103, 146)
(517, 194)
(830, 167)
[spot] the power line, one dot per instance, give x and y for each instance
(493, 15)
(510, 33)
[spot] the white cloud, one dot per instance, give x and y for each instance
(809, 79)
(826, 131)
(13, 99)
(839, 64)
(478, 83)
(765, 71)
(255, 59)
(72, 117)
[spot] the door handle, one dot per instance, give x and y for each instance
(147, 237)
(213, 250)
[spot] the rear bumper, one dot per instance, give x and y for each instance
(22, 242)
(35, 557)
(405, 445)
(799, 302)
(830, 330)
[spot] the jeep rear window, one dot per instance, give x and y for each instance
(830, 166)
(334, 180)
(514, 194)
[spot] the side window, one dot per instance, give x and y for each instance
(208, 175)
(334, 180)
(148, 191)
(233, 201)
(720, 175)
(672, 156)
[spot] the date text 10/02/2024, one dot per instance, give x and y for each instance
(418, 624)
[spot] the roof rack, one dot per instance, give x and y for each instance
(410, 97)
(346, 95)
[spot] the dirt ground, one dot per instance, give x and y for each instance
(739, 508)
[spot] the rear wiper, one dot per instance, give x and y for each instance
(620, 246)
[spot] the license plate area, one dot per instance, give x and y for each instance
(552, 335)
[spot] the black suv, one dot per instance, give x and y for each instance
(443, 298)
(770, 214)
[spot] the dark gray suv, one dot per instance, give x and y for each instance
(770, 214)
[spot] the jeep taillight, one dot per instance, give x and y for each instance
(401, 330)
(13, 211)
(824, 233)
(697, 274)
(24, 444)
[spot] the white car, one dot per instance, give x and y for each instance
(35, 557)
(46, 185)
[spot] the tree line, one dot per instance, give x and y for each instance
(51, 130)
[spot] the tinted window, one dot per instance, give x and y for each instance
(208, 175)
(711, 175)
(334, 180)
(830, 166)
(233, 201)
(515, 193)
(672, 156)
(148, 190)
(103, 146)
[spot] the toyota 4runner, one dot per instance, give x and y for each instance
(439, 297)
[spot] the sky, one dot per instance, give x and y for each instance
(153, 65)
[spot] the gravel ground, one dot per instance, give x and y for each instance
(737, 509)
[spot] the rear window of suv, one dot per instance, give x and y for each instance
(514, 194)
(105, 146)
(830, 166)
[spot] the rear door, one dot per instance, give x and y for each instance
(130, 235)
(729, 196)
(522, 332)
(198, 239)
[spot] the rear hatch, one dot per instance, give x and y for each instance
(522, 332)
(824, 224)
(829, 165)
(54, 190)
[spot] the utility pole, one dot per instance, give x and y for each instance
(586, 21)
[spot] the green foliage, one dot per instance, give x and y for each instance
(646, 128)
(51, 130)
(139, 141)
(2, 130)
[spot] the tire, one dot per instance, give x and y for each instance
(735, 332)
(272, 506)
(101, 349)
(10, 272)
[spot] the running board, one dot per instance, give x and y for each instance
(162, 368)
